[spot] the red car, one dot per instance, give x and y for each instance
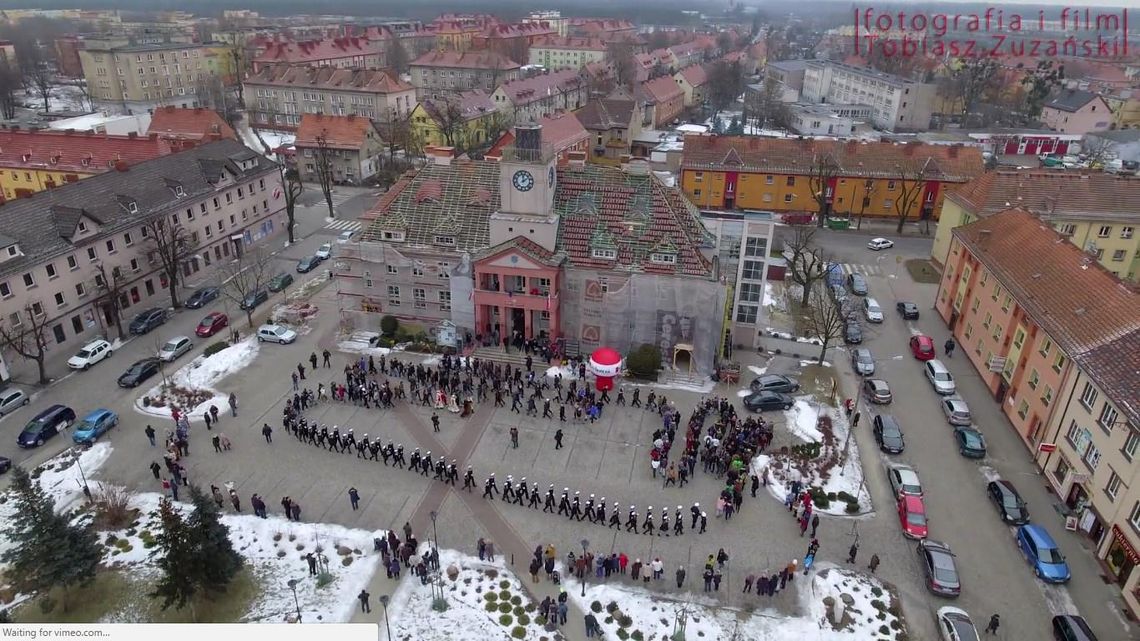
(922, 347)
(212, 324)
(912, 516)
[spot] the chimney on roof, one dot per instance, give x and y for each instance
(121, 165)
(132, 134)
(440, 155)
(577, 158)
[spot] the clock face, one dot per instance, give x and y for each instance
(522, 180)
(550, 177)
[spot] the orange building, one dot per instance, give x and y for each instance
(776, 174)
(1028, 308)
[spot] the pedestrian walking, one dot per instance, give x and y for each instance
(214, 413)
(365, 607)
(949, 347)
(490, 551)
(233, 404)
(435, 421)
(995, 621)
(558, 439)
(814, 525)
(149, 431)
(514, 437)
(267, 432)
(354, 498)
(592, 628)
(217, 443)
(156, 469)
(680, 577)
(209, 421)
(874, 564)
(852, 552)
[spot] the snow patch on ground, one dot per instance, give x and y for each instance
(744, 393)
(466, 617)
(814, 362)
(203, 373)
(759, 371)
(655, 617)
(565, 371)
(360, 343)
(770, 298)
(802, 419)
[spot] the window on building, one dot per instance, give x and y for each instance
(751, 292)
(1088, 396)
(59, 300)
(1019, 338)
(50, 269)
(754, 246)
(111, 247)
(769, 180)
(1126, 232)
(791, 181)
(445, 301)
(417, 270)
(888, 203)
(1059, 363)
(746, 313)
(604, 254)
(1107, 416)
(1130, 445)
(1067, 229)
(1092, 456)
(80, 290)
(787, 198)
(663, 258)
(1118, 255)
(393, 295)
(1023, 409)
(1034, 379)
(1006, 302)
(392, 269)
(1047, 396)
(1104, 231)
(1134, 517)
(1112, 488)
(753, 270)
(419, 298)
(72, 263)
(29, 280)
(1046, 346)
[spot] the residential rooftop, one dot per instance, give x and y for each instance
(1052, 194)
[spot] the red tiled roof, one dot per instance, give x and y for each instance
(311, 51)
(527, 247)
(365, 80)
(527, 90)
(192, 124)
(662, 89)
(524, 30)
(605, 207)
(472, 104)
(948, 163)
(569, 42)
(1051, 194)
(465, 60)
(1087, 311)
(561, 131)
(82, 152)
(695, 75)
(339, 132)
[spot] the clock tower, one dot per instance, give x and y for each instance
(527, 182)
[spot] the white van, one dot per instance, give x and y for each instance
(872, 311)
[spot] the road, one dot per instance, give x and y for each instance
(995, 577)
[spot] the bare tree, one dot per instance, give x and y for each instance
(764, 109)
(825, 319)
(865, 202)
(172, 245)
(84, 95)
(9, 84)
(396, 56)
(620, 54)
(1039, 83)
(110, 287)
(449, 119)
(1097, 151)
(248, 274)
(824, 169)
(291, 188)
(725, 84)
(323, 169)
(27, 337)
(965, 81)
(807, 264)
(38, 74)
(910, 185)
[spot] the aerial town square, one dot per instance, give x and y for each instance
(489, 321)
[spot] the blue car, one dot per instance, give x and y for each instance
(1039, 549)
(94, 425)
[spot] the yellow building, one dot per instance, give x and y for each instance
(1098, 212)
(35, 160)
(467, 121)
(783, 175)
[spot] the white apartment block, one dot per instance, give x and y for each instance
(897, 104)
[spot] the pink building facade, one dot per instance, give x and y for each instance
(516, 290)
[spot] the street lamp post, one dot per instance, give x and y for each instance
(82, 475)
(384, 598)
(586, 574)
(858, 407)
(438, 603)
(293, 586)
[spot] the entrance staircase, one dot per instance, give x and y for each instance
(516, 358)
(681, 378)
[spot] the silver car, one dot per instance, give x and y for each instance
(904, 480)
(957, 411)
(11, 399)
(174, 348)
(862, 361)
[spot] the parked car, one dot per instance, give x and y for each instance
(941, 572)
(878, 391)
(202, 296)
(253, 299)
(857, 284)
(909, 311)
(174, 348)
(852, 333)
(1071, 627)
(775, 383)
(5, 464)
(324, 252)
(939, 377)
(912, 516)
(45, 425)
(90, 354)
(904, 480)
(276, 334)
(888, 434)
(955, 625)
(878, 244)
(839, 294)
(280, 282)
(862, 361)
(871, 310)
(147, 320)
(1008, 502)
(971, 443)
(12, 399)
(139, 371)
(307, 264)
(94, 425)
(764, 401)
(345, 236)
(213, 323)
(1038, 547)
(956, 411)
(922, 347)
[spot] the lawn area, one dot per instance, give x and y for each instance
(921, 271)
(121, 596)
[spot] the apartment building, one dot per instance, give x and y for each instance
(542, 95)
(898, 104)
(563, 132)
(867, 179)
(440, 73)
(136, 75)
(693, 81)
(1097, 212)
(613, 125)
(352, 142)
(34, 160)
(1075, 111)
(512, 40)
(1056, 338)
(743, 243)
(278, 95)
(665, 99)
(789, 73)
(341, 53)
(815, 119)
(463, 121)
(221, 193)
(566, 52)
(195, 125)
(555, 19)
